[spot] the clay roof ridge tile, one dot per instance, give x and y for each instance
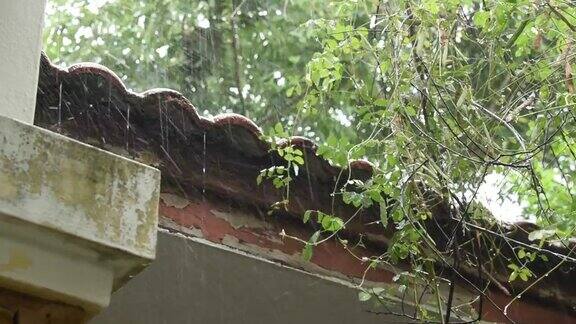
(232, 119)
(220, 120)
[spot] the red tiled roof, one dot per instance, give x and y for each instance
(222, 157)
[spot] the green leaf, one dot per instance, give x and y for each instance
(481, 19)
(331, 223)
(402, 288)
(541, 234)
(383, 215)
(410, 111)
(278, 128)
(314, 238)
(523, 276)
(381, 102)
(431, 6)
(364, 296)
(332, 140)
(339, 32)
(299, 160)
(376, 196)
(521, 253)
(307, 252)
(307, 215)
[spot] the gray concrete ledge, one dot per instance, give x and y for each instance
(93, 211)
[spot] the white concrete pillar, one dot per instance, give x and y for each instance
(21, 24)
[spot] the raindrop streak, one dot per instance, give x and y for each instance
(127, 127)
(109, 98)
(161, 126)
(164, 145)
(59, 107)
(203, 164)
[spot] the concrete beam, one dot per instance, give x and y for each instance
(76, 222)
(196, 281)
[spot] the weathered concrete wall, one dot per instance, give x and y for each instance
(70, 187)
(75, 221)
(20, 43)
(194, 281)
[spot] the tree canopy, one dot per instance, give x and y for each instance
(440, 93)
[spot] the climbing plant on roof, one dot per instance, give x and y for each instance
(446, 94)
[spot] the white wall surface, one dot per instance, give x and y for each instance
(21, 24)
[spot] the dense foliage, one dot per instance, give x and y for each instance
(443, 93)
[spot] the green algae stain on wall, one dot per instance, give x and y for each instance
(8, 186)
(115, 197)
(17, 260)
